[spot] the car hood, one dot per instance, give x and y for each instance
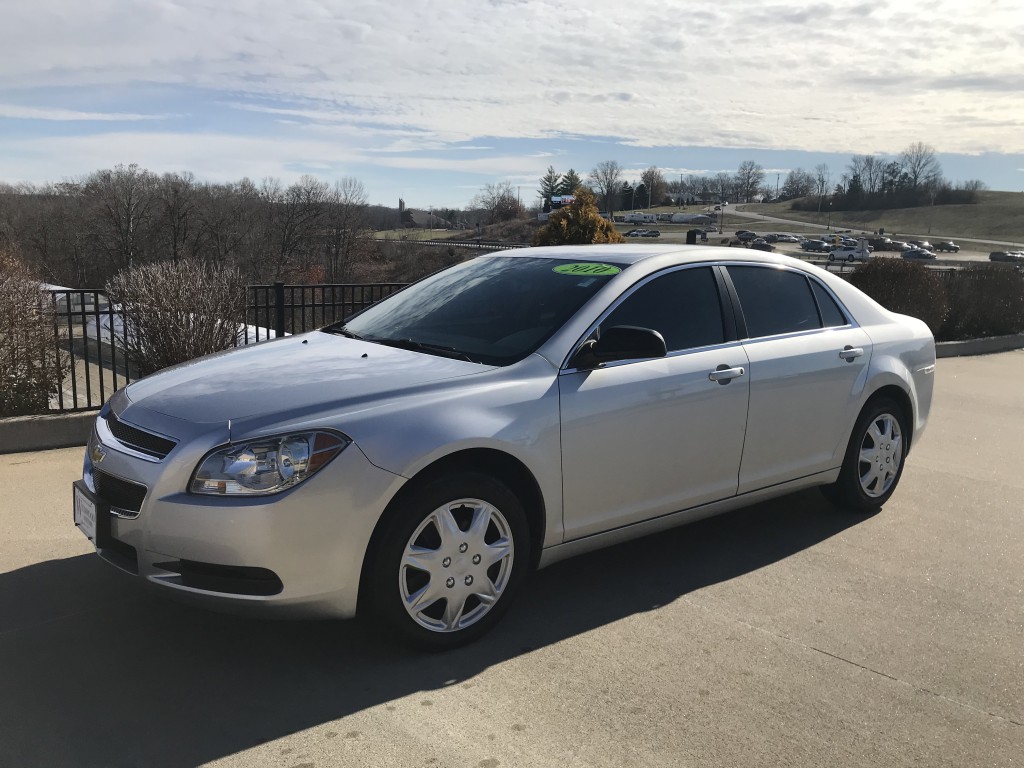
(295, 374)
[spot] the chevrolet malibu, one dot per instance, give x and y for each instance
(419, 459)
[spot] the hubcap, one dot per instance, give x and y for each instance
(456, 565)
(881, 452)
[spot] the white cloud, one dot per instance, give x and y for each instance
(15, 111)
(396, 85)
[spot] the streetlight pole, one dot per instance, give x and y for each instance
(828, 226)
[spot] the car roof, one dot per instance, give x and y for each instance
(625, 254)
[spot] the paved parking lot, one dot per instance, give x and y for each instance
(787, 634)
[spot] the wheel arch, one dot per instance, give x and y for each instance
(498, 464)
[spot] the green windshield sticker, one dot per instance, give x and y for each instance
(582, 268)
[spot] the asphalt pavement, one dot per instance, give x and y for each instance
(786, 634)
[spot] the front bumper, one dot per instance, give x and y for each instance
(298, 553)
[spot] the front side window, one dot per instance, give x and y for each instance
(683, 306)
(774, 300)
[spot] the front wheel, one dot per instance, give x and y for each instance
(450, 560)
(831, 257)
(874, 458)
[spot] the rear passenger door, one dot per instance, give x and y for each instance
(808, 366)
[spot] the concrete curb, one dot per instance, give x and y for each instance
(66, 430)
(985, 346)
(43, 433)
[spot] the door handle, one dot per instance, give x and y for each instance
(723, 374)
(849, 354)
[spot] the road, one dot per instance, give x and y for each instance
(788, 634)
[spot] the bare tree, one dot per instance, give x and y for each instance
(500, 202)
(122, 202)
(346, 220)
(722, 184)
(822, 179)
(921, 166)
(175, 216)
(654, 182)
(799, 183)
(607, 179)
(749, 177)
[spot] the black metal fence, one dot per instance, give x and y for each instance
(88, 331)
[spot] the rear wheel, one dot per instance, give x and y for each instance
(450, 560)
(874, 458)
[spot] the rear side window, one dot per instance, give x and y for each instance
(774, 300)
(683, 306)
(831, 315)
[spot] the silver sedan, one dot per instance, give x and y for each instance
(418, 460)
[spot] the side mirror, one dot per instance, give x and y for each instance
(620, 342)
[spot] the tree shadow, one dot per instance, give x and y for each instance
(96, 670)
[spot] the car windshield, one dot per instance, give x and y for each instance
(493, 310)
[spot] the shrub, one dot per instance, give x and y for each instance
(904, 287)
(984, 300)
(579, 223)
(32, 368)
(177, 311)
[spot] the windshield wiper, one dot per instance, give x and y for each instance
(342, 331)
(421, 346)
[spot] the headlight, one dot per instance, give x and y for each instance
(266, 465)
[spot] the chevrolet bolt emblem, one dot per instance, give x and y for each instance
(97, 454)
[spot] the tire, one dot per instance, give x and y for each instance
(874, 459)
(849, 259)
(831, 257)
(450, 560)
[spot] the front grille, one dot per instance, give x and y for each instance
(118, 493)
(138, 439)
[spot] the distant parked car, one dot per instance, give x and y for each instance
(849, 253)
(900, 245)
(651, 233)
(636, 233)
(918, 253)
(815, 246)
(772, 238)
(1006, 256)
(760, 244)
(710, 230)
(947, 246)
(746, 235)
(881, 243)
(924, 245)
(787, 239)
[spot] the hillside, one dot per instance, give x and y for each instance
(997, 216)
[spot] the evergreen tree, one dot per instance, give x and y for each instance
(570, 181)
(550, 185)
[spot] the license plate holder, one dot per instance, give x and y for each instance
(86, 512)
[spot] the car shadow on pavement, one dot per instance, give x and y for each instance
(95, 670)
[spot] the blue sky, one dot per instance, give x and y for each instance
(432, 100)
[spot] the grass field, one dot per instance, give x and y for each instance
(997, 216)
